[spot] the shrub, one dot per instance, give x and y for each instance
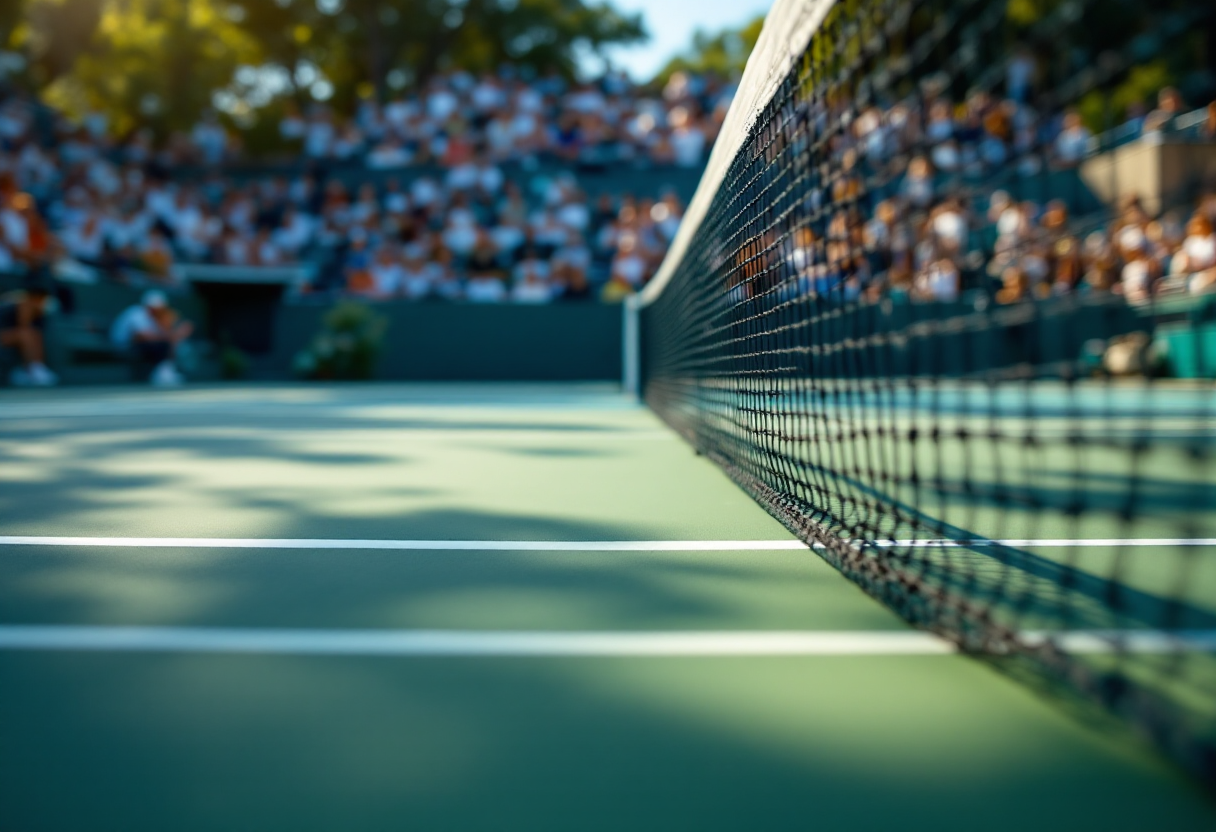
(347, 346)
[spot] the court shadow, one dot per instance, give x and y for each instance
(208, 742)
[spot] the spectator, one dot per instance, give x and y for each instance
(1019, 75)
(687, 139)
(1197, 255)
(23, 328)
(486, 284)
(387, 274)
(152, 333)
(1164, 119)
(1208, 130)
(1073, 142)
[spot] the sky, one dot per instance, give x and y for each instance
(671, 24)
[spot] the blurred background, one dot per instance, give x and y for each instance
(259, 163)
(464, 188)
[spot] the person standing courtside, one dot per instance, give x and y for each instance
(23, 329)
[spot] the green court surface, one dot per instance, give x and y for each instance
(337, 728)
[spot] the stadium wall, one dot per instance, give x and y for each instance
(464, 342)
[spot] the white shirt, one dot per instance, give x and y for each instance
(318, 139)
(574, 215)
(462, 177)
(532, 293)
(417, 282)
(688, 145)
(1072, 144)
(14, 230)
(488, 96)
(292, 128)
(84, 241)
(951, 228)
(629, 268)
(1200, 252)
(507, 237)
(135, 320)
(1136, 280)
(939, 283)
(486, 290)
(441, 104)
(424, 192)
(490, 179)
(388, 277)
(128, 230)
(460, 238)
(294, 235)
(388, 156)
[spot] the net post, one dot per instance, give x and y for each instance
(631, 346)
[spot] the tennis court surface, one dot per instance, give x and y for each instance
(478, 607)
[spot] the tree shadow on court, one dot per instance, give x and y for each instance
(207, 742)
(268, 743)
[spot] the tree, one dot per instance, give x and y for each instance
(361, 44)
(50, 33)
(723, 53)
(162, 62)
(153, 62)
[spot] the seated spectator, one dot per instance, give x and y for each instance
(1138, 278)
(485, 275)
(687, 139)
(151, 332)
(22, 230)
(571, 284)
(1164, 119)
(1073, 142)
(1197, 256)
(532, 283)
(938, 282)
(388, 154)
(629, 267)
(294, 233)
(23, 327)
(387, 273)
(918, 184)
(156, 255)
(265, 251)
(1015, 287)
(418, 278)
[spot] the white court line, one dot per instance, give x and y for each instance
(433, 545)
(1127, 641)
(1049, 543)
(469, 643)
(531, 643)
(571, 545)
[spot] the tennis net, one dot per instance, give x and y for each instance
(920, 309)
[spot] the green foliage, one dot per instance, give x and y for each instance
(234, 364)
(721, 53)
(1102, 111)
(162, 62)
(347, 347)
(152, 62)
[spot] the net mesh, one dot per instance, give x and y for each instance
(918, 311)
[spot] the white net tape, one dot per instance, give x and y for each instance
(788, 28)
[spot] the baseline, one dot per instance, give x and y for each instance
(578, 545)
(542, 643)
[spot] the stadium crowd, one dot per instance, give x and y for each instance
(458, 117)
(462, 229)
(924, 198)
(918, 200)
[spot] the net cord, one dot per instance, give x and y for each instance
(788, 28)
